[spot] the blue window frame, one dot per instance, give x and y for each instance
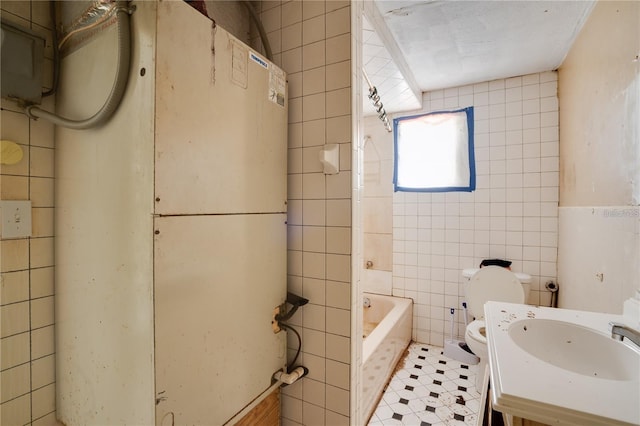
(434, 152)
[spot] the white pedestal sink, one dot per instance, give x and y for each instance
(561, 367)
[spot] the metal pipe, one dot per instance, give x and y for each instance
(118, 88)
(56, 51)
(621, 331)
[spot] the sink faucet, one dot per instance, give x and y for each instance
(619, 331)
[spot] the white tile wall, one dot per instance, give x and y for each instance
(27, 352)
(513, 213)
(315, 51)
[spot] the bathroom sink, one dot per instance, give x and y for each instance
(576, 348)
(561, 366)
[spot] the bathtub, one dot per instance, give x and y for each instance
(387, 333)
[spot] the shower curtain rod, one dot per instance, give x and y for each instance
(375, 98)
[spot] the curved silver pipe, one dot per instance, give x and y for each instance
(119, 85)
(56, 51)
(263, 34)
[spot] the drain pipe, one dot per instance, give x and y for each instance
(290, 378)
(117, 91)
(553, 288)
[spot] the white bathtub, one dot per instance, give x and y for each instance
(389, 320)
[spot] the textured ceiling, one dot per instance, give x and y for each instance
(418, 46)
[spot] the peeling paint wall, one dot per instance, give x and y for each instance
(599, 226)
(599, 94)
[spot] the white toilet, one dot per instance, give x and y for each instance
(490, 283)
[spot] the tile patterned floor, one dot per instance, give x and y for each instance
(430, 389)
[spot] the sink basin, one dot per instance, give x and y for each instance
(576, 348)
(561, 366)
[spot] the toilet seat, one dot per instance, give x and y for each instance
(492, 283)
(476, 331)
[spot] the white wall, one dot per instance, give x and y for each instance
(598, 257)
(599, 87)
(377, 194)
(512, 214)
(377, 207)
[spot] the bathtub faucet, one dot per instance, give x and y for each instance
(367, 302)
(619, 331)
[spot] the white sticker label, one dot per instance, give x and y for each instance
(277, 85)
(258, 60)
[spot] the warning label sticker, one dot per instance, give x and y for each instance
(277, 85)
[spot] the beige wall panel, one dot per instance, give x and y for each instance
(104, 237)
(218, 279)
(104, 228)
(600, 257)
(219, 136)
(599, 91)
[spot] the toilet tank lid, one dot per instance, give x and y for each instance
(522, 277)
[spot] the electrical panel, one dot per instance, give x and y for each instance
(22, 61)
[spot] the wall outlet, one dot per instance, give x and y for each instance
(15, 218)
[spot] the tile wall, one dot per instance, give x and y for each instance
(513, 214)
(377, 198)
(311, 41)
(27, 354)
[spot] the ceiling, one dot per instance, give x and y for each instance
(411, 46)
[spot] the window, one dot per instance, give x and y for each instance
(434, 152)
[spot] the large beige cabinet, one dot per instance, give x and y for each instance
(170, 226)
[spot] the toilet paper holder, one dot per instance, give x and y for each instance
(330, 159)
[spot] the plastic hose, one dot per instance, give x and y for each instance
(117, 90)
(288, 327)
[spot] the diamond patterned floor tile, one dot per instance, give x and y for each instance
(431, 389)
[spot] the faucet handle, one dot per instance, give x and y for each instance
(621, 331)
(612, 328)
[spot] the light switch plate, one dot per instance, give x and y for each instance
(16, 219)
